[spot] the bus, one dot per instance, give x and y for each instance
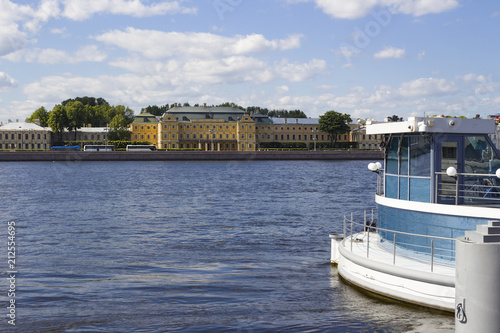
(66, 148)
(141, 148)
(98, 148)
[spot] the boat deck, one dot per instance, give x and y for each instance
(403, 258)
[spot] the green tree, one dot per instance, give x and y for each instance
(395, 118)
(334, 123)
(75, 113)
(92, 101)
(58, 120)
(119, 134)
(41, 114)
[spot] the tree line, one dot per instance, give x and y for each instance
(160, 110)
(76, 113)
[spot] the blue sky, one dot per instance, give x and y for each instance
(366, 58)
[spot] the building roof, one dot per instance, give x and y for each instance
(145, 118)
(228, 114)
(23, 126)
(295, 121)
(92, 130)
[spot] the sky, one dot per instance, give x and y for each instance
(366, 58)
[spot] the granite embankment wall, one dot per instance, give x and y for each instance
(28, 156)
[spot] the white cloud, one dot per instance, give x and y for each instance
(79, 10)
(89, 53)
(207, 58)
(390, 52)
(155, 44)
(427, 87)
(7, 81)
(354, 9)
(298, 72)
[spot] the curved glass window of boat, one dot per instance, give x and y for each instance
(482, 159)
(408, 168)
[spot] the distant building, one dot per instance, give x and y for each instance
(145, 128)
(225, 129)
(24, 136)
(87, 134)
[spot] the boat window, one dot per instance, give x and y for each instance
(403, 152)
(392, 156)
(479, 156)
(420, 156)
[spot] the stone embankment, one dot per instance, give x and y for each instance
(39, 156)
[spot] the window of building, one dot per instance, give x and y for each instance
(242, 136)
(288, 136)
(250, 135)
(19, 136)
(293, 137)
(0, 136)
(12, 136)
(194, 136)
(142, 127)
(148, 137)
(220, 136)
(282, 137)
(136, 136)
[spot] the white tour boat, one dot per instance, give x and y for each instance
(434, 237)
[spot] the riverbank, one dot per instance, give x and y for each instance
(40, 156)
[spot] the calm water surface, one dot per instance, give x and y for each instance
(188, 247)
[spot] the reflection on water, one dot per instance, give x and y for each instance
(190, 247)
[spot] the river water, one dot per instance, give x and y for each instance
(188, 247)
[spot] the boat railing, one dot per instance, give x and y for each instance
(429, 249)
(380, 182)
(468, 188)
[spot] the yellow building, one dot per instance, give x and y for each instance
(145, 127)
(207, 128)
(228, 129)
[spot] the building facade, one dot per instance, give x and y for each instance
(145, 127)
(24, 136)
(87, 134)
(225, 129)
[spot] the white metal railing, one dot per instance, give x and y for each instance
(354, 226)
(468, 189)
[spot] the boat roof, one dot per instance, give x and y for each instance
(432, 125)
